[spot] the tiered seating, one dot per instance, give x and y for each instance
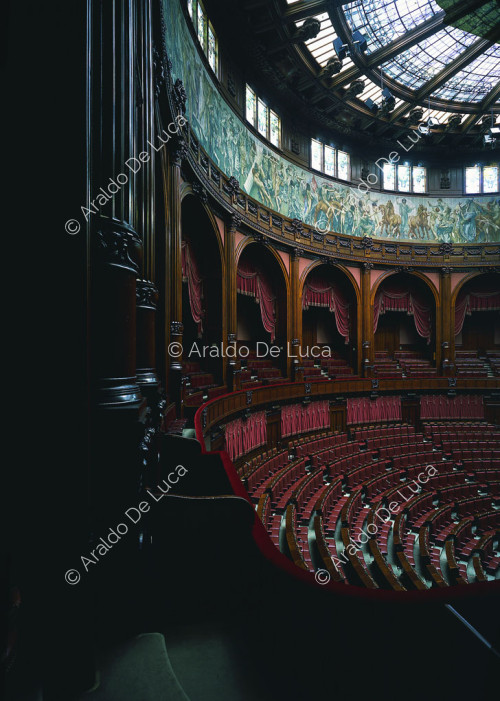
(255, 473)
(386, 368)
(196, 399)
(171, 424)
(409, 364)
(417, 515)
(335, 367)
(259, 371)
(468, 364)
(411, 358)
(493, 358)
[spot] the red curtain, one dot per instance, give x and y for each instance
(252, 282)
(443, 407)
(296, 418)
(364, 410)
(243, 435)
(320, 293)
(394, 299)
(474, 302)
(191, 275)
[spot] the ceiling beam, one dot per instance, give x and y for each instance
(490, 98)
(361, 61)
(304, 9)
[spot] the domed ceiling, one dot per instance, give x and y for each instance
(375, 69)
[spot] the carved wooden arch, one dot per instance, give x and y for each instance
(415, 273)
(187, 191)
(316, 263)
(464, 281)
(249, 241)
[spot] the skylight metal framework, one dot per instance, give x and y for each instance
(420, 53)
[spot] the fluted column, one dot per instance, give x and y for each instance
(367, 316)
(144, 162)
(296, 307)
(116, 249)
(232, 224)
(177, 152)
(447, 325)
(147, 299)
(116, 262)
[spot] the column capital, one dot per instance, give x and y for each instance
(118, 245)
(146, 294)
(234, 220)
(178, 150)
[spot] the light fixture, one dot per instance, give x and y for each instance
(342, 50)
(372, 106)
(359, 41)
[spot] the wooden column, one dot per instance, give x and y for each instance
(296, 310)
(447, 325)
(177, 153)
(367, 320)
(232, 364)
(147, 299)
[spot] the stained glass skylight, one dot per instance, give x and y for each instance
(382, 22)
(475, 80)
(421, 62)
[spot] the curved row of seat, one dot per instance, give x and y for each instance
(378, 512)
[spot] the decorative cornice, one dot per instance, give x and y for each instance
(179, 149)
(179, 96)
(232, 187)
(234, 220)
(200, 191)
(281, 231)
(446, 248)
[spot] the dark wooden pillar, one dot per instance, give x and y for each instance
(116, 259)
(177, 153)
(296, 310)
(232, 366)
(447, 324)
(367, 320)
(119, 408)
(147, 299)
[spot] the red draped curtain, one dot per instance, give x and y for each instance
(363, 410)
(443, 407)
(474, 301)
(252, 282)
(320, 293)
(398, 299)
(243, 435)
(296, 418)
(191, 275)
